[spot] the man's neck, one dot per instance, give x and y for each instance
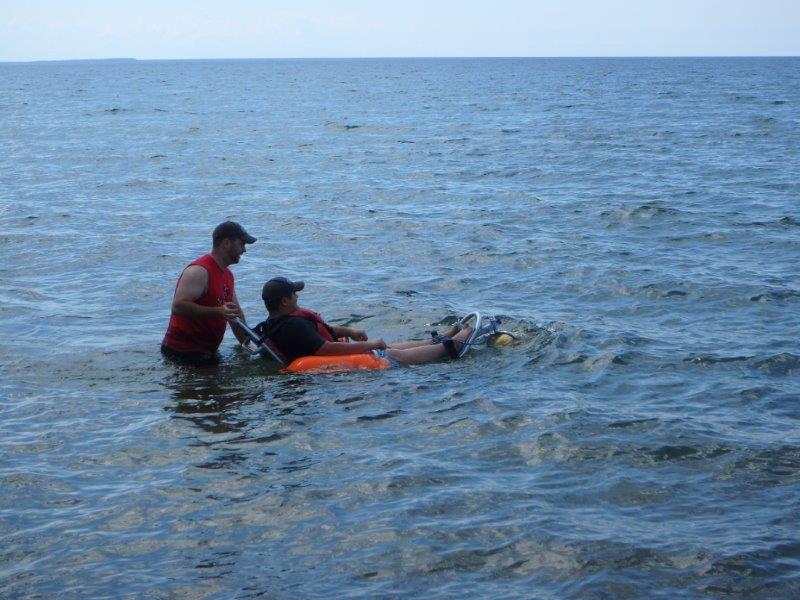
(220, 259)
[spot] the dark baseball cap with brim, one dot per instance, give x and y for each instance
(279, 287)
(229, 229)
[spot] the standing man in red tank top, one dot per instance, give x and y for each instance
(205, 300)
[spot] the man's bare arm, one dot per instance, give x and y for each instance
(191, 286)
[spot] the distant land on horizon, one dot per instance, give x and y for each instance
(75, 60)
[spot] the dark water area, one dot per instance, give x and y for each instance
(636, 222)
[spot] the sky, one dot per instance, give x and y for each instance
(182, 29)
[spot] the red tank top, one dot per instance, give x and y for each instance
(202, 335)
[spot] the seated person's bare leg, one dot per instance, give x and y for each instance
(417, 355)
(406, 345)
(417, 343)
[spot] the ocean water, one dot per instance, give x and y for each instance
(636, 222)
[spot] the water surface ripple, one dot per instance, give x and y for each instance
(634, 221)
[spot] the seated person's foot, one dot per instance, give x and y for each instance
(459, 326)
(464, 333)
(455, 345)
(454, 329)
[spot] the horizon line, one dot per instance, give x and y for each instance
(465, 57)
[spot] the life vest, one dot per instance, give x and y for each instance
(322, 327)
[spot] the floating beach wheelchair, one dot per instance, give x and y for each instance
(485, 330)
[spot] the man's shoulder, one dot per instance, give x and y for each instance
(209, 264)
(196, 267)
(202, 260)
(194, 272)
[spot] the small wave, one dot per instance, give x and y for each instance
(706, 361)
(655, 290)
(509, 173)
(642, 212)
(736, 574)
(682, 452)
(765, 120)
(757, 393)
(782, 222)
(382, 416)
(674, 453)
(140, 183)
(742, 98)
(780, 364)
(625, 424)
(351, 320)
(575, 360)
(594, 363)
(775, 295)
(778, 465)
(349, 400)
(264, 439)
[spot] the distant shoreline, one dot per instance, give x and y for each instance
(74, 60)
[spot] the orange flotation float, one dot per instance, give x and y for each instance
(333, 364)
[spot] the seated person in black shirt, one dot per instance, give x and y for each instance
(296, 332)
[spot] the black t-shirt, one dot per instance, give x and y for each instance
(293, 336)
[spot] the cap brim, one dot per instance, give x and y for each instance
(248, 239)
(298, 286)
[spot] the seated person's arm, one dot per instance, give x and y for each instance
(299, 337)
(359, 335)
(338, 348)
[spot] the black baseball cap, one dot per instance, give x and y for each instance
(279, 287)
(229, 229)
